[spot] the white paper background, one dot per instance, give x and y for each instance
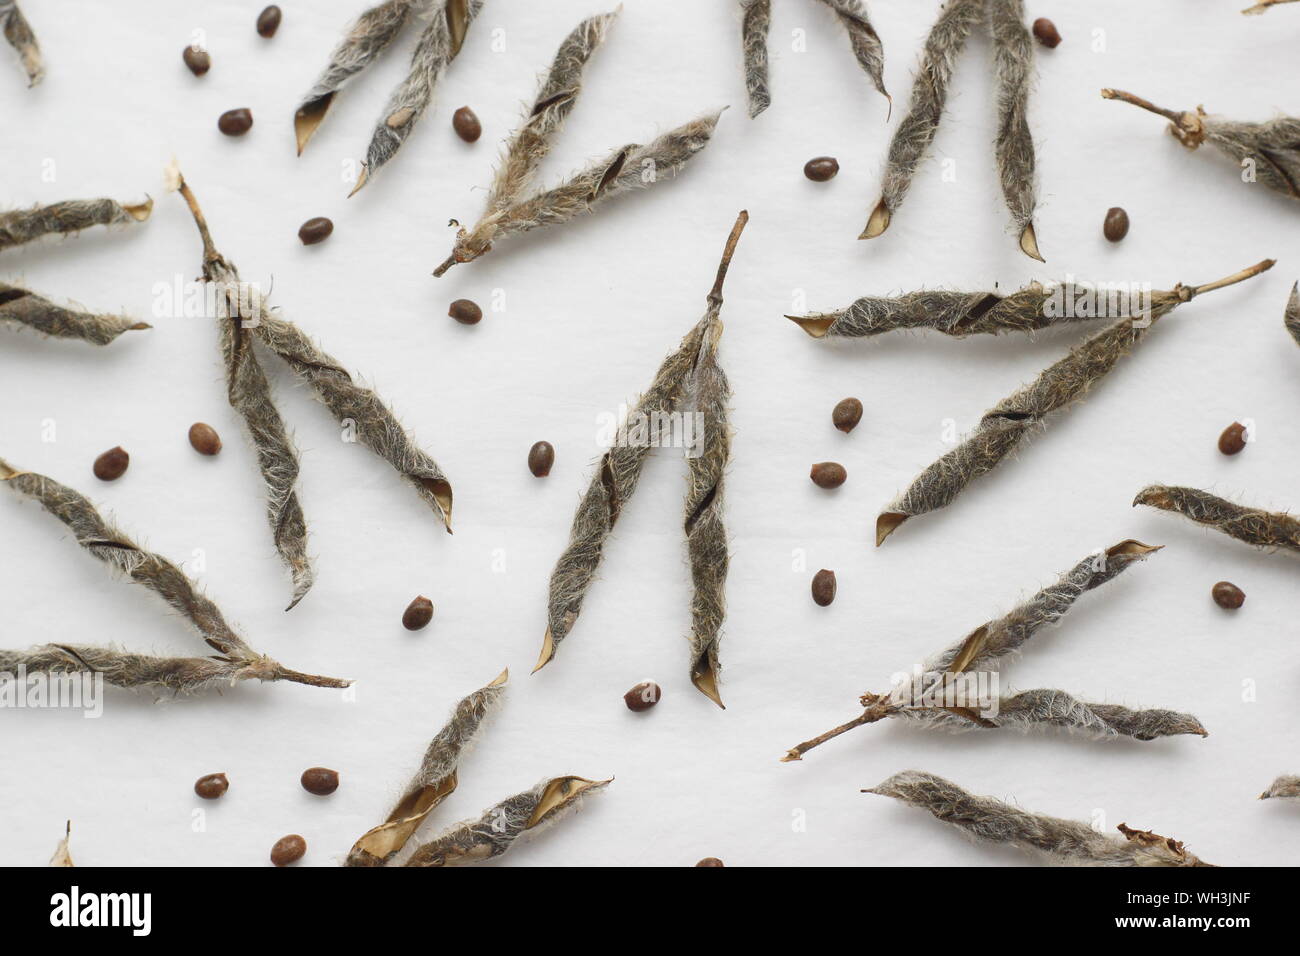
(590, 310)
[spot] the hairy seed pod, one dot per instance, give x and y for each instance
(21, 226)
(19, 34)
(40, 314)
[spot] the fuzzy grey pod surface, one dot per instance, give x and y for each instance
(755, 23)
(1014, 54)
(1272, 148)
(376, 426)
(994, 821)
(365, 40)
(1291, 318)
(20, 226)
(36, 312)
(916, 131)
(500, 826)
(867, 47)
(19, 33)
(1283, 788)
(1263, 529)
(438, 45)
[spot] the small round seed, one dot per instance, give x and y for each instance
(268, 21)
(847, 414)
(235, 122)
(204, 439)
(197, 60)
(314, 230)
(828, 474)
(1046, 33)
(465, 312)
(1228, 596)
(465, 122)
(710, 861)
(417, 614)
(1115, 226)
(110, 465)
(823, 587)
(643, 696)
(540, 458)
(1233, 439)
(289, 849)
(211, 786)
(320, 780)
(821, 168)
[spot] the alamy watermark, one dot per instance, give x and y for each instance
(1073, 299)
(636, 429)
(79, 691)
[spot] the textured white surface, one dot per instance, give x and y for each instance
(590, 309)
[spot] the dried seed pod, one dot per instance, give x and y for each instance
(62, 854)
(957, 314)
(1115, 226)
(1045, 32)
(466, 312)
(288, 849)
(1007, 424)
(19, 34)
(433, 782)
(320, 780)
(1233, 439)
(846, 414)
(198, 60)
(29, 309)
(997, 822)
(1263, 529)
(235, 122)
(417, 614)
(821, 169)
(540, 459)
(510, 211)
(268, 21)
(828, 474)
(755, 22)
(945, 691)
(112, 464)
(710, 861)
(365, 40)
(204, 439)
(1285, 787)
(1291, 317)
(1228, 596)
(237, 661)
(314, 230)
(823, 587)
(23, 225)
(500, 826)
(438, 45)
(1271, 150)
(642, 696)
(1262, 5)
(465, 122)
(616, 479)
(212, 786)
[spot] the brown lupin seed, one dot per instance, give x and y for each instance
(417, 614)
(643, 696)
(204, 439)
(1045, 32)
(465, 312)
(1115, 226)
(1228, 596)
(211, 786)
(197, 60)
(465, 122)
(828, 474)
(823, 587)
(268, 21)
(111, 465)
(235, 122)
(1233, 439)
(710, 861)
(314, 230)
(847, 414)
(821, 168)
(288, 849)
(320, 780)
(540, 458)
